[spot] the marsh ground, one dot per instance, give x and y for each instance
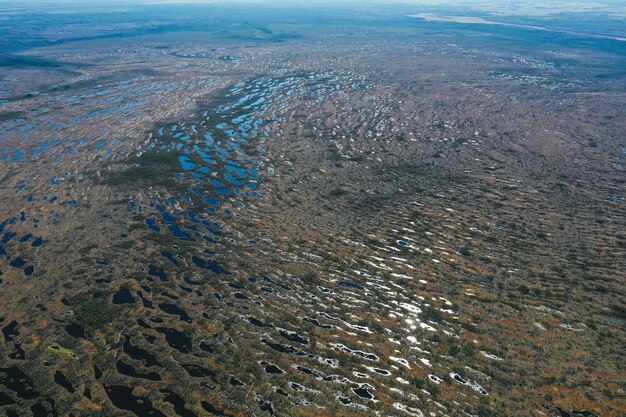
(294, 214)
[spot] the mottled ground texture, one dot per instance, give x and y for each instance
(256, 211)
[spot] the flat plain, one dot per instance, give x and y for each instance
(249, 211)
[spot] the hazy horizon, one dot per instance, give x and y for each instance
(521, 8)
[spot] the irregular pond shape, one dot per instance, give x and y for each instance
(123, 296)
(75, 330)
(168, 295)
(176, 339)
(458, 378)
(186, 163)
(294, 337)
(363, 393)
(177, 232)
(197, 371)
(10, 331)
(128, 370)
(26, 237)
(206, 347)
(192, 282)
(270, 368)
(434, 378)
(265, 406)
(152, 225)
(139, 354)
(258, 322)
(169, 218)
(280, 348)
(122, 397)
(309, 372)
(157, 272)
(175, 310)
(211, 265)
(235, 382)
(6, 400)
(17, 262)
(60, 378)
(44, 408)
(178, 403)
(8, 236)
(170, 257)
(316, 322)
(212, 410)
(19, 353)
(146, 303)
(17, 381)
(351, 285)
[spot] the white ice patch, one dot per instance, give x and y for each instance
(401, 276)
(412, 308)
(434, 378)
(414, 412)
(425, 361)
(400, 361)
(395, 258)
(569, 327)
(474, 385)
(332, 362)
(490, 356)
(427, 327)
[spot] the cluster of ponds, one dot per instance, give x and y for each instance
(222, 158)
(217, 164)
(86, 129)
(12, 244)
